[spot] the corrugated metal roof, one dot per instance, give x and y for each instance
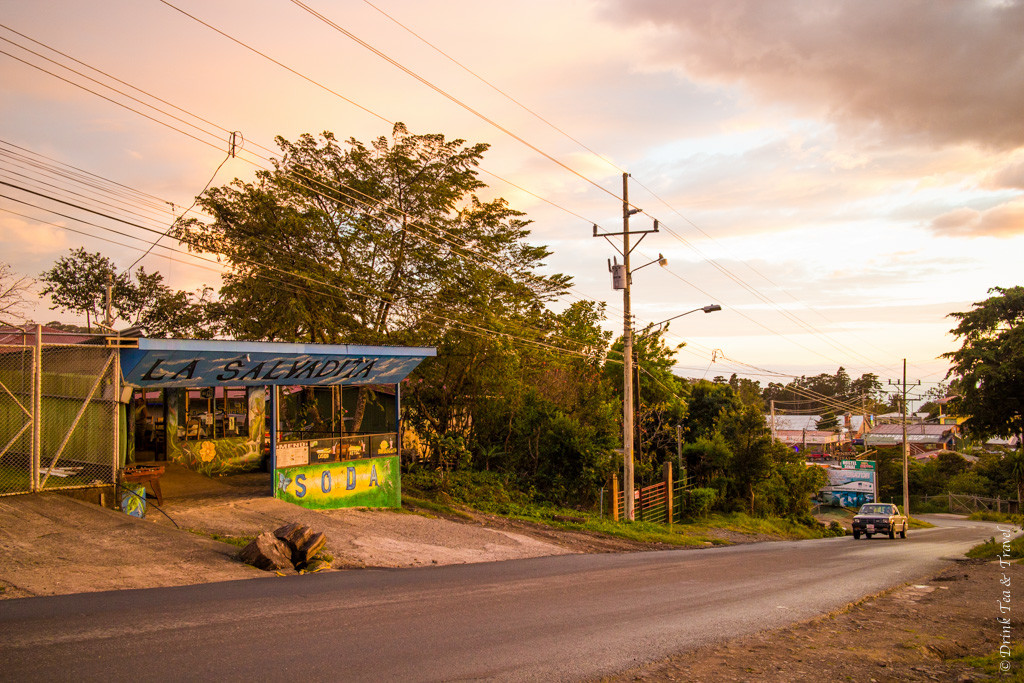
(797, 436)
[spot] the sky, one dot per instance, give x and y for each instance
(839, 176)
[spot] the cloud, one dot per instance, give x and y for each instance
(1005, 220)
(930, 70)
(1009, 176)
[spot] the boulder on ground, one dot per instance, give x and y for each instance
(267, 552)
(295, 535)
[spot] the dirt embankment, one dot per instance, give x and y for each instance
(51, 544)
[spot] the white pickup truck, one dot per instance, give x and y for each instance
(879, 518)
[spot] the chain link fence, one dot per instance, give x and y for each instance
(60, 417)
(17, 407)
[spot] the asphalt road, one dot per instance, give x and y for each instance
(553, 618)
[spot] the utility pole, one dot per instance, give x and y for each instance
(906, 444)
(627, 359)
(108, 321)
(621, 278)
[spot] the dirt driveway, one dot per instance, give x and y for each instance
(52, 544)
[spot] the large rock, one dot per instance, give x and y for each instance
(267, 552)
(295, 535)
(309, 549)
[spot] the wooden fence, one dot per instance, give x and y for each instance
(966, 504)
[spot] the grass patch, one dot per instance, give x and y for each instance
(420, 505)
(989, 665)
(920, 524)
(778, 527)
(991, 549)
(239, 541)
(989, 516)
(453, 492)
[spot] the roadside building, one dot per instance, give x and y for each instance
(921, 437)
(810, 443)
(323, 419)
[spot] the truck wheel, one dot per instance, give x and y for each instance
(867, 535)
(856, 535)
(903, 531)
(892, 531)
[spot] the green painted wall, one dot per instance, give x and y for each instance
(369, 482)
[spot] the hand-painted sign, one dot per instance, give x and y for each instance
(187, 363)
(335, 449)
(857, 464)
(370, 482)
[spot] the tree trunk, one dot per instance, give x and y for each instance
(357, 416)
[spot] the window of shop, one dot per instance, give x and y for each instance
(324, 412)
(212, 413)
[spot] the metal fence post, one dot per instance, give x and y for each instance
(615, 497)
(116, 402)
(668, 492)
(37, 402)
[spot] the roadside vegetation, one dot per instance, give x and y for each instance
(457, 494)
(391, 242)
(991, 549)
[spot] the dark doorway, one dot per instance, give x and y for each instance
(149, 420)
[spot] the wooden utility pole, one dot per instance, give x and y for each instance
(622, 274)
(906, 443)
(627, 359)
(906, 448)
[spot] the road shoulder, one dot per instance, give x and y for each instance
(919, 631)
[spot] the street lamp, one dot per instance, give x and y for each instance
(710, 308)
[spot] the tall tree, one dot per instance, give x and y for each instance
(77, 283)
(989, 366)
(375, 243)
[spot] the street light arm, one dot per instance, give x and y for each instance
(710, 308)
(661, 261)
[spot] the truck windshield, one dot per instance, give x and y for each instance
(877, 510)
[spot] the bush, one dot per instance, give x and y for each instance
(989, 516)
(698, 502)
(836, 529)
(488, 491)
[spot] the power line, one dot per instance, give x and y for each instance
(442, 234)
(463, 325)
(494, 87)
(445, 94)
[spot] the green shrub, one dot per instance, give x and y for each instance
(698, 502)
(989, 516)
(837, 529)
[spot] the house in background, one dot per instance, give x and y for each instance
(790, 430)
(811, 443)
(921, 437)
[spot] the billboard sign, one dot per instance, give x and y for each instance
(849, 487)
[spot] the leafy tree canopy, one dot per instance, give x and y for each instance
(379, 243)
(77, 283)
(989, 366)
